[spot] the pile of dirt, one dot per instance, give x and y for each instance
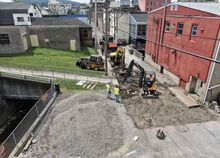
(163, 111)
(83, 125)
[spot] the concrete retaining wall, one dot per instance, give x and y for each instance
(16, 88)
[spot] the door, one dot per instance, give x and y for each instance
(194, 85)
(34, 40)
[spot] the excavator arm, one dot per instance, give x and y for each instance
(129, 70)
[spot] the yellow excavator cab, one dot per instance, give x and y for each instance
(119, 52)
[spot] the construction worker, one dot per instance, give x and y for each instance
(108, 88)
(117, 92)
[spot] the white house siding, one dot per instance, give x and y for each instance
(35, 11)
(26, 17)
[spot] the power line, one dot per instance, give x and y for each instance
(177, 49)
(188, 35)
(187, 16)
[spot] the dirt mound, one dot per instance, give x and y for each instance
(166, 110)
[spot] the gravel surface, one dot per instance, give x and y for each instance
(163, 111)
(83, 125)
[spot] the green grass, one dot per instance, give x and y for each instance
(70, 86)
(51, 60)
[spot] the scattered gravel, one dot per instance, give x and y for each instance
(163, 111)
(83, 125)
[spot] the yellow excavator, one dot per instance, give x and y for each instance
(147, 80)
(117, 58)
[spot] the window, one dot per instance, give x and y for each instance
(194, 30)
(4, 39)
(141, 30)
(84, 33)
(167, 26)
(31, 14)
(180, 28)
(20, 19)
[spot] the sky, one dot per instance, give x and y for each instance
(82, 1)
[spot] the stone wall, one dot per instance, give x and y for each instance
(19, 41)
(16, 88)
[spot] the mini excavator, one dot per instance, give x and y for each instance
(147, 80)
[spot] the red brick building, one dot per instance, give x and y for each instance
(192, 27)
(149, 5)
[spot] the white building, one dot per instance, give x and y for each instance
(21, 13)
(59, 8)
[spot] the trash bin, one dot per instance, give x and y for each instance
(131, 51)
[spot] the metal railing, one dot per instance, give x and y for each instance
(34, 74)
(22, 128)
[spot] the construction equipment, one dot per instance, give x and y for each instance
(117, 58)
(94, 62)
(147, 80)
(111, 46)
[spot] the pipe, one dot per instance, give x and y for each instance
(212, 68)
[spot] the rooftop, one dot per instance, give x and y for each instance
(213, 8)
(14, 6)
(209, 7)
(139, 17)
(59, 21)
(114, 5)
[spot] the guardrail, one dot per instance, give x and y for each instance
(35, 74)
(21, 129)
(27, 77)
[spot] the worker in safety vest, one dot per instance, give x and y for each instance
(117, 92)
(108, 88)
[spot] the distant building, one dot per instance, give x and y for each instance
(59, 8)
(91, 13)
(21, 30)
(119, 21)
(192, 27)
(137, 30)
(83, 18)
(45, 11)
(149, 5)
(18, 13)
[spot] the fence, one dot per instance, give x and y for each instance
(62, 75)
(26, 77)
(21, 129)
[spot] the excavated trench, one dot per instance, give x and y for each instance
(156, 112)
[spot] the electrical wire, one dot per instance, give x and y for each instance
(186, 35)
(177, 49)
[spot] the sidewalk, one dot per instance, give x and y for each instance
(57, 75)
(163, 79)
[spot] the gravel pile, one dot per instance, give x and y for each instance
(85, 125)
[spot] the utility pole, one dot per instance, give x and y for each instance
(96, 40)
(163, 22)
(106, 36)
